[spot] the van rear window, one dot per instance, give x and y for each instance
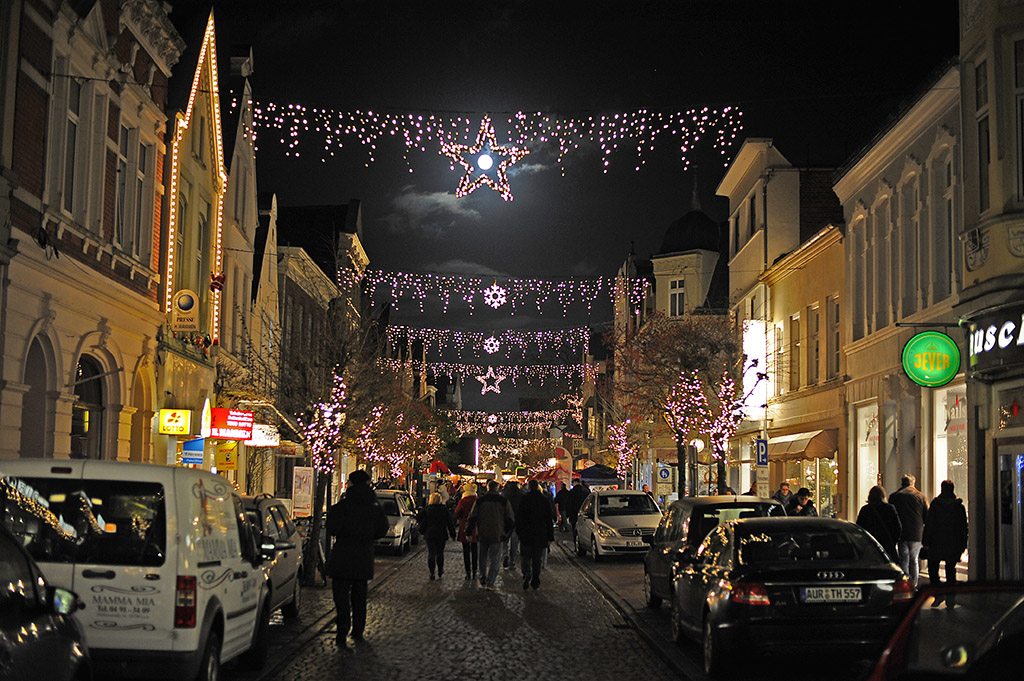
(108, 522)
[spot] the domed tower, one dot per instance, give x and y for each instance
(689, 270)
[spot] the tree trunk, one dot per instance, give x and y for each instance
(723, 483)
(311, 558)
(682, 467)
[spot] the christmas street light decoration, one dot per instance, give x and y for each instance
(505, 421)
(625, 453)
(533, 374)
(573, 341)
(495, 296)
(490, 382)
(322, 425)
(484, 149)
(491, 345)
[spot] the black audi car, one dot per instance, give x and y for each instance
(784, 585)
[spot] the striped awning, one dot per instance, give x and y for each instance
(815, 444)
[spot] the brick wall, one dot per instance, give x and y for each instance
(29, 135)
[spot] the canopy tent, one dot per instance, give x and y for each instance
(600, 474)
(437, 466)
(815, 444)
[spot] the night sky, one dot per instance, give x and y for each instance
(818, 77)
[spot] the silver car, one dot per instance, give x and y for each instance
(403, 531)
(272, 517)
(616, 522)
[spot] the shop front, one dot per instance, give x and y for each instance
(808, 459)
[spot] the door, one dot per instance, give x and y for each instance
(664, 549)
(1011, 512)
(585, 522)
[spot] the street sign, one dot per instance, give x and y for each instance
(665, 474)
(762, 452)
(762, 483)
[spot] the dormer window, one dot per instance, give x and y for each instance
(676, 298)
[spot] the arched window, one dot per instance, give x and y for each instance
(87, 412)
(36, 406)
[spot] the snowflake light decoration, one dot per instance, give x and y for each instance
(492, 419)
(490, 382)
(491, 345)
(495, 296)
(486, 146)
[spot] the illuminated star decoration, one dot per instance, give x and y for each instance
(482, 153)
(486, 382)
(491, 345)
(495, 296)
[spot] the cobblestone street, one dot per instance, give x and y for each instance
(452, 627)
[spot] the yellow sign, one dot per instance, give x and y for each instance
(226, 456)
(175, 421)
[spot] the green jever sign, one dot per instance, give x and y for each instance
(931, 359)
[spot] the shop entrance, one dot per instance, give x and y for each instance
(1011, 512)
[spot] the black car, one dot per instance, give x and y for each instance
(684, 526)
(776, 585)
(39, 639)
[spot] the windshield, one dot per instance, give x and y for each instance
(626, 504)
(706, 518)
(783, 545)
(389, 506)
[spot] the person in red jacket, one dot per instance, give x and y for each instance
(468, 539)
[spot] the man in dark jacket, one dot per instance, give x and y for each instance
(912, 506)
(577, 495)
(801, 504)
(563, 503)
(514, 493)
(493, 521)
(535, 527)
(355, 522)
(945, 533)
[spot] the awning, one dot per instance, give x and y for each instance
(816, 444)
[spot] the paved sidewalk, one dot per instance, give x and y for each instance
(444, 629)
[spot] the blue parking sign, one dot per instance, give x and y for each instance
(762, 452)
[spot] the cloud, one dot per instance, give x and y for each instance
(459, 266)
(431, 213)
(522, 168)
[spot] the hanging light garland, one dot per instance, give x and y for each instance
(326, 131)
(574, 340)
(532, 374)
(516, 292)
(490, 382)
(625, 453)
(322, 426)
(504, 421)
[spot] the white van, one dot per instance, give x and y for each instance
(165, 564)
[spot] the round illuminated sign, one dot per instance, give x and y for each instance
(931, 359)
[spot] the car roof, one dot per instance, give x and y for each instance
(602, 492)
(389, 492)
(722, 500)
(791, 522)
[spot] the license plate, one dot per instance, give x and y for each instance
(830, 594)
(634, 543)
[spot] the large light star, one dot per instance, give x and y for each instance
(485, 141)
(490, 382)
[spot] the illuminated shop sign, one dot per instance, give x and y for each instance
(264, 435)
(230, 424)
(931, 359)
(175, 421)
(996, 339)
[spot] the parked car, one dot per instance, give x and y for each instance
(778, 585)
(403, 531)
(616, 521)
(280, 533)
(683, 527)
(168, 566)
(971, 630)
(56, 651)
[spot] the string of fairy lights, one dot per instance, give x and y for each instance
(505, 421)
(516, 293)
(531, 374)
(636, 133)
(501, 343)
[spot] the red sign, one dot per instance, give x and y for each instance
(231, 424)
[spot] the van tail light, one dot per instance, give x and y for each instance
(903, 590)
(750, 593)
(185, 603)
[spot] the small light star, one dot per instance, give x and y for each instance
(486, 142)
(490, 382)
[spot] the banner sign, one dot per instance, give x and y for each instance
(302, 491)
(185, 311)
(193, 452)
(231, 424)
(997, 339)
(264, 435)
(226, 456)
(931, 359)
(175, 421)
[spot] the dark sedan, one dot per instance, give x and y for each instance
(776, 585)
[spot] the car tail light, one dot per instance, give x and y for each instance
(750, 593)
(185, 603)
(903, 591)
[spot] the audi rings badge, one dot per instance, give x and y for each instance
(830, 574)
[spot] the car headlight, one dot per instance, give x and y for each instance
(605, 532)
(393, 531)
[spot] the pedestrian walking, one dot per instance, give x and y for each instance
(945, 533)
(912, 507)
(535, 528)
(752, 492)
(510, 551)
(881, 521)
(493, 521)
(577, 495)
(436, 526)
(562, 502)
(467, 538)
(801, 504)
(354, 522)
(783, 495)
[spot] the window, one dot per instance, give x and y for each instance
(908, 248)
(880, 247)
(780, 359)
(857, 290)
(202, 249)
(794, 352)
(121, 188)
(181, 274)
(753, 214)
(736, 233)
(87, 411)
(833, 337)
(984, 154)
(813, 344)
(676, 298)
(142, 215)
(74, 120)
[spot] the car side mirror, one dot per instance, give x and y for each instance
(268, 551)
(62, 601)
(284, 545)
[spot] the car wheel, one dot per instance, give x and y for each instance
(291, 610)
(676, 624)
(714, 663)
(256, 656)
(593, 548)
(650, 599)
(209, 666)
(580, 551)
